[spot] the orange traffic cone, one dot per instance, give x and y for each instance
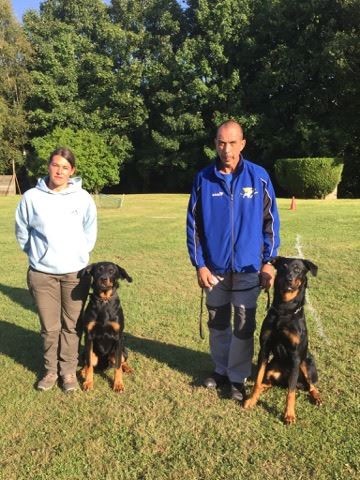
(293, 204)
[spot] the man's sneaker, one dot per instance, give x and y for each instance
(238, 392)
(70, 383)
(47, 382)
(215, 380)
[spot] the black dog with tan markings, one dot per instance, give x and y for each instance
(284, 357)
(104, 325)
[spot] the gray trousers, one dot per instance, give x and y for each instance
(232, 346)
(60, 300)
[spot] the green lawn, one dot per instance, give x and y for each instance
(165, 426)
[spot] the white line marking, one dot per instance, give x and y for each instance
(298, 246)
(310, 306)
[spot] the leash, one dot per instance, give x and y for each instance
(201, 329)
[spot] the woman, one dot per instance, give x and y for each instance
(56, 227)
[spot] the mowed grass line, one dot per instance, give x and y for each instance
(165, 425)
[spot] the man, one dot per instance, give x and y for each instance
(232, 236)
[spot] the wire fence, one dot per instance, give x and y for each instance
(109, 201)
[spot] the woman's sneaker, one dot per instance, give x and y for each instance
(70, 382)
(47, 382)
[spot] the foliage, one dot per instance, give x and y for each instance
(308, 177)
(166, 426)
(161, 154)
(349, 186)
(162, 74)
(81, 72)
(15, 85)
(95, 162)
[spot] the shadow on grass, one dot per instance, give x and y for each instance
(21, 296)
(25, 346)
(191, 362)
(22, 345)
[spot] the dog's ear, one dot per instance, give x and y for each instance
(123, 274)
(311, 267)
(87, 270)
(275, 261)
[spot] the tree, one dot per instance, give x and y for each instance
(158, 78)
(190, 82)
(76, 80)
(15, 86)
(302, 72)
(154, 29)
(95, 162)
(61, 35)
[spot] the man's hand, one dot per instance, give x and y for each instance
(205, 277)
(267, 276)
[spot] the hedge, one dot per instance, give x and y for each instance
(308, 177)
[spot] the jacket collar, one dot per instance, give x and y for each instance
(239, 168)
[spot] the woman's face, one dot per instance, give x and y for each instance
(60, 170)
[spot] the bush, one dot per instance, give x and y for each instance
(96, 163)
(308, 177)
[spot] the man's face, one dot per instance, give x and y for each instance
(229, 144)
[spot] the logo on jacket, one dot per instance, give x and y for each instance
(248, 192)
(218, 194)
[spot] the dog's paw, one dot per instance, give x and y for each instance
(289, 418)
(118, 387)
(88, 385)
(315, 397)
(126, 368)
(317, 400)
(249, 403)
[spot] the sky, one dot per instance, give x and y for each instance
(20, 6)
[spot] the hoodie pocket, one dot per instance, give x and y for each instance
(38, 246)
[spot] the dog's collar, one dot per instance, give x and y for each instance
(287, 308)
(102, 297)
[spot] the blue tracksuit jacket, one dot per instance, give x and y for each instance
(232, 230)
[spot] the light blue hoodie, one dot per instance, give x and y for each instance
(57, 230)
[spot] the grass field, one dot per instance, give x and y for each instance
(165, 425)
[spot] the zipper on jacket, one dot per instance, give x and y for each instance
(229, 189)
(232, 230)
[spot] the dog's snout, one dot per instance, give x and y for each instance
(290, 276)
(105, 281)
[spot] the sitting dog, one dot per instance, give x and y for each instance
(104, 324)
(284, 357)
